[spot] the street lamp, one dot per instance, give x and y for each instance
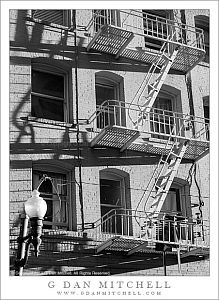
(35, 210)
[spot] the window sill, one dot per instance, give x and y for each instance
(48, 122)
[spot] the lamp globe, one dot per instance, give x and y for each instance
(35, 207)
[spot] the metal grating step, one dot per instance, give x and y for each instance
(114, 136)
(195, 149)
(110, 39)
(187, 58)
(121, 244)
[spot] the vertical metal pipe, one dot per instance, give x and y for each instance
(78, 129)
(21, 246)
(179, 260)
(164, 262)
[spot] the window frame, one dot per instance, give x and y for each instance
(154, 44)
(36, 171)
(121, 176)
(182, 189)
(67, 18)
(202, 22)
(108, 15)
(154, 122)
(113, 114)
(47, 69)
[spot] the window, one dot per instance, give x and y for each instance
(110, 108)
(172, 203)
(206, 115)
(202, 22)
(105, 16)
(55, 194)
(177, 206)
(48, 96)
(162, 120)
(114, 203)
(60, 17)
(155, 25)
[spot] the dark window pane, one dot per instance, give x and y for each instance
(47, 108)
(104, 93)
(49, 212)
(46, 187)
(163, 103)
(48, 84)
(110, 192)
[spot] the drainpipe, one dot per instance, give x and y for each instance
(77, 122)
(188, 78)
(165, 260)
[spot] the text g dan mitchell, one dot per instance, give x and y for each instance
(109, 284)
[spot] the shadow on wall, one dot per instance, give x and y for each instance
(82, 260)
(32, 41)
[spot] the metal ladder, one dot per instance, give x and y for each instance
(162, 63)
(165, 172)
(173, 160)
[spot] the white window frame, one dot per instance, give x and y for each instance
(111, 114)
(35, 182)
(106, 18)
(184, 198)
(113, 175)
(202, 22)
(172, 98)
(149, 44)
(116, 111)
(54, 71)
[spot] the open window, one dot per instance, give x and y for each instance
(109, 99)
(156, 28)
(105, 16)
(56, 195)
(162, 120)
(115, 201)
(202, 22)
(55, 16)
(49, 93)
(175, 210)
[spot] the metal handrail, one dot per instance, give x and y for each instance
(113, 112)
(196, 40)
(169, 228)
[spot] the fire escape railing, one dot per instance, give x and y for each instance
(148, 25)
(170, 228)
(156, 122)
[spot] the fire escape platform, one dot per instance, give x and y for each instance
(130, 245)
(194, 150)
(124, 138)
(110, 39)
(186, 59)
(114, 40)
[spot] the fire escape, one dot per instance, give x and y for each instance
(137, 125)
